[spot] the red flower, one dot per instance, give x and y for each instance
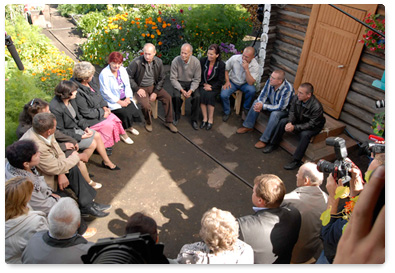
(181, 10)
(173, 19)
(160, 12)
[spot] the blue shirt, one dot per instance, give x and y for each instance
(276, 100)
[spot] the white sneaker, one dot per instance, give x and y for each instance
(133, 131)
(127, 140)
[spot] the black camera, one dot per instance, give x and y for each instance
(368, 147)
(340, 168)
(133, 248)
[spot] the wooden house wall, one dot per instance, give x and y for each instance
(288, 26)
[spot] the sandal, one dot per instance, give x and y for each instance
(95, 185)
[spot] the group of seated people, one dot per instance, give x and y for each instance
(43, 228)
(49, 189)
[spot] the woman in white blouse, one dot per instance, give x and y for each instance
(115, 89)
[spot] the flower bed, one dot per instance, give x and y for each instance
(167, 27)
(44, 67)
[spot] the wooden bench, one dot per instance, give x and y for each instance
(154, 108)
(238, 96)
(317, 148)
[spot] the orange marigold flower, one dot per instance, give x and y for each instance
(159, 19)
(160, 43)
(132, 22)
(164, 26)
(123, 39)
(143, 34)
(152, 36)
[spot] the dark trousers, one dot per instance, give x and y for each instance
(195, 101)
(83, 191)
(162, 96)
(304, 138)
(127, 115)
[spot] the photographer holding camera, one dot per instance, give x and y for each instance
(332, 232)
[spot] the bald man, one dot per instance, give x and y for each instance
(241, 73)
(311, 201)
(147, 76)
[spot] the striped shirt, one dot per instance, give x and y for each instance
(276, 100)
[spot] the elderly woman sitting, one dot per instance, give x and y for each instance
(71, 123)
(94, 108)
(220, 245)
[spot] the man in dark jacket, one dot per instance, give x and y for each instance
(273, 230)
(147, 77)
(305, 118)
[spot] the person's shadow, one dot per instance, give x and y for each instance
(117, 226)
(176, 232)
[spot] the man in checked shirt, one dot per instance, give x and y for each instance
(274, 98)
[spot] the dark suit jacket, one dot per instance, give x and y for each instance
(272, 234)
(90, 104)
(65, 122)
(217, 77)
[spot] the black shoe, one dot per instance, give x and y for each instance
(209, 126)
(204, 123)
(225, 117)
(109, 151)
(269, 148)
(195, 125)
(92, 211)
(293, 165)
(107, 167)
(101, 207)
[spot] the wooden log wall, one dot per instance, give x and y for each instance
(288, 26)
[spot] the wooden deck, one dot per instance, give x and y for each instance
(317, 149)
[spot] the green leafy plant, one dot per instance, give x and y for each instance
(167, 27)
(378, 123)
(44, 67)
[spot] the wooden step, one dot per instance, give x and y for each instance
(317, 149)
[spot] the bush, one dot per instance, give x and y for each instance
(167, 27)
(128, 32)
(44, 66)
(68, 10)
(216, 24)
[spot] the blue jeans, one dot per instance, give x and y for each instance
(274, 119)
(248, 90)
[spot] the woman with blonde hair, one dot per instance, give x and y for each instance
(219, 232)
(21, 222)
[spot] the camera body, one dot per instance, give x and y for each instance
(133, 248)
(340, 168)
(368, 147)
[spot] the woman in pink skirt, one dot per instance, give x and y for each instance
(93, 107)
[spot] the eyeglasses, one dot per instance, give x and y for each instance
(273, 78)
(32, 102)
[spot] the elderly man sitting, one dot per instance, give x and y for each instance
(60, 244)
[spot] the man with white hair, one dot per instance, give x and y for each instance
(311, 201)
(61, 244)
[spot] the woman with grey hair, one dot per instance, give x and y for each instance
(219, 232)
(94, 108)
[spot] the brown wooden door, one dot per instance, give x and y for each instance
(331, 53)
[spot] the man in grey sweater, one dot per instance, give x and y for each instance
(185, 76)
